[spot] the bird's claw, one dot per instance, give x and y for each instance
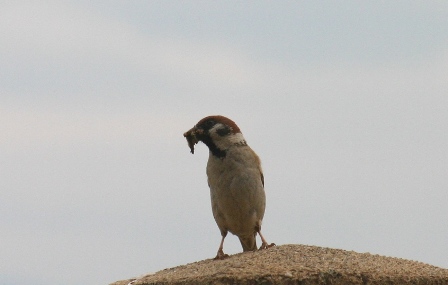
(266, 246)
(220, 255)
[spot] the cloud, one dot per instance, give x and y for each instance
(61, 37)
(72, 52)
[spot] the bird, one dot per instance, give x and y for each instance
(235, 179)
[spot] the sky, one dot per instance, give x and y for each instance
(346, 103)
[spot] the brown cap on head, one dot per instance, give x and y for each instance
(222, 120)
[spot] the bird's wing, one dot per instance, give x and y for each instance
(262, 178)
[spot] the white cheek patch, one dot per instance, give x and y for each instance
(225, 142)
(237, 139)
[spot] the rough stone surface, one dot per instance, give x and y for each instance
(298, 264)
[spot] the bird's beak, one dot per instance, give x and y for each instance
(191, 136)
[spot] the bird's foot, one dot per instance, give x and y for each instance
(266, 245)
(220, 255)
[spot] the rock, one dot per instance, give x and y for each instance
(298, 264)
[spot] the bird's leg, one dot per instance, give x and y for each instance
(221, 254)
(264, 243)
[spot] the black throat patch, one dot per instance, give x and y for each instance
(219, 153)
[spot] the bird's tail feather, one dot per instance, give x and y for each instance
(248, 243)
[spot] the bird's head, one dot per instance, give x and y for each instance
(217, 132)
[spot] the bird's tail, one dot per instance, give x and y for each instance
(248, 242)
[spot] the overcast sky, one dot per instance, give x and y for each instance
(345, 102)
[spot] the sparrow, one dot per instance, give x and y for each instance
(235, 179)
